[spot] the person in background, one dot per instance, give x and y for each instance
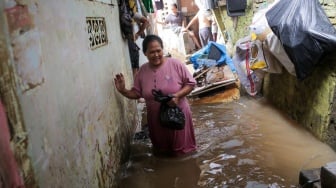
(133, 48)
(142, 22)
(205, 19)
(175, 22)
(171, 77)
(9, 171)
(214, 30)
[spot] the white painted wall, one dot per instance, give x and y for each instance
(76, 123)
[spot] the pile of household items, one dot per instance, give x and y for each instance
(291, 35)
(213, 68)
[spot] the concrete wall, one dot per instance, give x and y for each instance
(310, 102)
(71, 124)
(231, 29)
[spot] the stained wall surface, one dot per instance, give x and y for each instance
(58, 60)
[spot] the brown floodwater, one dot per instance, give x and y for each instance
(246, 143)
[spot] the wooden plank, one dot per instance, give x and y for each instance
(199, 90)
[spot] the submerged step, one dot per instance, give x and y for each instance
(310, 178)
(328, 175)
(324, 177)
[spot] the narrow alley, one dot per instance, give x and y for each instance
(246, 143)
(87, 89)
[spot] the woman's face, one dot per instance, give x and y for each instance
(154, 53)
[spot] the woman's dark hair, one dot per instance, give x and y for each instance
(148, 39)
(174, 4)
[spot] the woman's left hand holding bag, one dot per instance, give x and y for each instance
(174, 101)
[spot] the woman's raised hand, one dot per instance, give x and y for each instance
(119, 82)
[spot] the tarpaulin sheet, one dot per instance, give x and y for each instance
(223, 58)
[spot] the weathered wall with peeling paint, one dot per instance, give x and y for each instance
(74, 125)
(310, 102)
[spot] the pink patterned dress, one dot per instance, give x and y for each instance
(170, 77)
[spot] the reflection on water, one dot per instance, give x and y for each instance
(240, 144)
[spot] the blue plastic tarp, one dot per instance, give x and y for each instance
(223, 59)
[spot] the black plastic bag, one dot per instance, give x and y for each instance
(170, 117)
(304, 31)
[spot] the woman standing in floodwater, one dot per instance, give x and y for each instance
(171, 77)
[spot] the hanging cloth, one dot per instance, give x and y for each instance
(149, 5)
(158, 4)
(133, 6)
(138, 5)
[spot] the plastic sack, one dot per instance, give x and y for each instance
(275, 55)
(273, 52)
(214, 51)
(304, 31)
(250, 79)
(255, 54)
